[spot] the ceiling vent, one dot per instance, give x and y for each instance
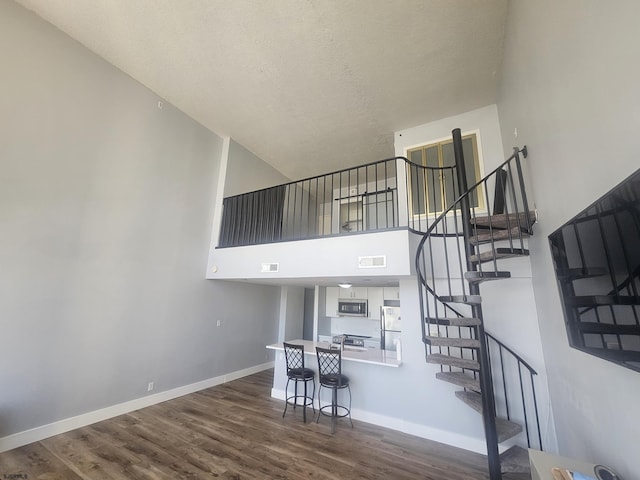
(377, 261)
(270, 267)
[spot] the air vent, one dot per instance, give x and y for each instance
(270, 267)
(377, 261)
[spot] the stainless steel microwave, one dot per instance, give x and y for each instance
(354, 308)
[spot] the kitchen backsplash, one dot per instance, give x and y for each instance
(355, 326)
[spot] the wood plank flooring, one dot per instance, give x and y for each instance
(236, 431)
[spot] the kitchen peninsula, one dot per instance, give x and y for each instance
(373, 356)
(366, 368)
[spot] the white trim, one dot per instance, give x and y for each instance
(218, 200)
(45, 431)
(472, 444)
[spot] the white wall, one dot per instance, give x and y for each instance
(482, 120)
(570, 87)
(317, 258)
(106, 207)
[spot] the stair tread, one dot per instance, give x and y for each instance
(467, 299)
(499, 253)
(454, 321)
(506, 428)
(505, 220)
(608, 328)
(515, 460)
(578, 273)
(596, 300)
(473, 399)
(460, 379)
(452, 342)
(442, 359)
(478, 277)
(617, 355)
(497, 235)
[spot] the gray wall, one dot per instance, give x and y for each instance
(307, 324)
(570, 87)
(292, 312)
(247, 172)
(105, 214)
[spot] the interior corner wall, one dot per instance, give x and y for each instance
(106, 219)
(570, 88)
(247, 172)
(291, 313)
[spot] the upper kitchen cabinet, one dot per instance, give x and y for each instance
(391, 293)
(353, 292)
(373, 296)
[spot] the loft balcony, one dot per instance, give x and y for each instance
(360, 223)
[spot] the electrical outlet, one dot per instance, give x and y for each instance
(149, 386)
(218, 323)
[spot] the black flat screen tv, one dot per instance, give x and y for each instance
(596, 258)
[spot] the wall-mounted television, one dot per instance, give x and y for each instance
(596, 258)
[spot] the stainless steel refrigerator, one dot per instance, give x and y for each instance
(390, 327)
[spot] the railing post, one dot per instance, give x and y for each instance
(402, 180)
(486, 382)
(523, 191)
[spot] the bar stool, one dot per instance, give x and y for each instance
(296, 371)
(330, 374)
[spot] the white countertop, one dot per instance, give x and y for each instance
(374, 356)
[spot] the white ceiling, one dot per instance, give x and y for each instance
(310, 86)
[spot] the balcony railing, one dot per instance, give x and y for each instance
(384, 195)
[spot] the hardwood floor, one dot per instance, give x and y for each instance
(236, 431)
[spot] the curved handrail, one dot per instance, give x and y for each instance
(454, 206)
(518, 357)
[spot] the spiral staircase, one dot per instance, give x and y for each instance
(461, 250)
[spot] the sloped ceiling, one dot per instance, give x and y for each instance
(310, 86)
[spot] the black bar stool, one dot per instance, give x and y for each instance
(330, 373)
(296, 371)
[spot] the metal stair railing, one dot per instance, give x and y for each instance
(384, 195)
(520, 402)
(460, 250)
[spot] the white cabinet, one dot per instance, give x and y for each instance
(375, 297)
(331, 302)
(333, 294)
(359, 293)
(375, 302)
(391, 293)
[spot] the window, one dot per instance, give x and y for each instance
(432, 191)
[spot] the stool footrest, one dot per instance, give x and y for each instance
(293, 400)
(341, 411)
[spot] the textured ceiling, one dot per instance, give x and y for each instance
(310, 86)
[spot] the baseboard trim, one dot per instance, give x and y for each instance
(45, 431)
(476, 445)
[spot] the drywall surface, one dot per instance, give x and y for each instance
(570, 88)
(482, 121)
(247, 172)
(106, 205)
(291, 313)
(332, 257)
